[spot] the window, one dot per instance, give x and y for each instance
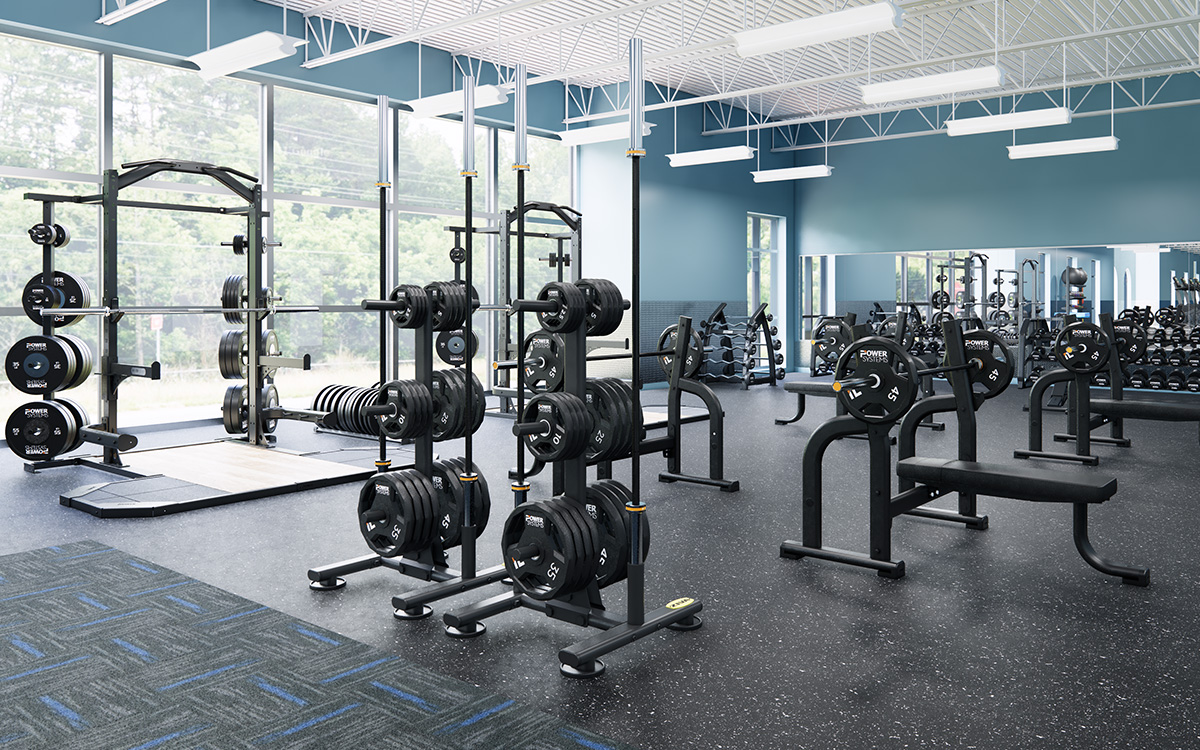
(325, 147)
(762, 235)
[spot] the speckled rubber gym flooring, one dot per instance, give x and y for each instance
(1003, 638)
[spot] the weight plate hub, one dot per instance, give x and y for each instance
(65, 291)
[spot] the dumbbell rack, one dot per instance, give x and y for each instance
(109, 440)
(744, 337)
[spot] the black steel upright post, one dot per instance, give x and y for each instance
(109, 379)
(383, 463)
(636, 568)
(520, 485)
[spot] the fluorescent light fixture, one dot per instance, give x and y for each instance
(600, 133)
(829, 27)
(1145, 248)
(1061, 148)
(130, 9)
(452, 101)
(920, 87)
(1035, 118)
(792, 173)
(254, 50)
(710, 156)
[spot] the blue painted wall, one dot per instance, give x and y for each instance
(940, 193)
(177, 29)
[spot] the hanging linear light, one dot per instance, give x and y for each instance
(128, 9)
(600, 133)
(830, 27)
(1036, 118)
(710, 156)
(452, 101)
(1061, 148)
(792, 173)
(920, 87)
(257, 49)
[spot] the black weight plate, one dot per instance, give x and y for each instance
(447, 396)
(609, 518)
(892, 389)
(478, 403)
(234, 298)
(233, 410)
(40, 365)
(695, 352)
(544, 370)
(386, 536)
(83, 359)
(230, 362)
(414, 315)
(623, 497)
(269, 347)
(1130, 339)
(571, 521)
(451, 346)
(81, 419)
(333, 405)
(269, 399)
(996, 365)
(423, 492)
(572, 307)
(605, 305)
(65, 290)
(41, 430)
(448, 491)
(830, 339)
(543, 575)
(1081, 348)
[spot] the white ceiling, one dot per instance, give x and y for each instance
(687, 44)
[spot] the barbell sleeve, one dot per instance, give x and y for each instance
(534, 305)
(380, 410)
(521, 429)
(385, 305)
(839, 385)
(524, 551)
(374, 516)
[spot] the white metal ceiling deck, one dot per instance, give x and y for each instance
(687, 43)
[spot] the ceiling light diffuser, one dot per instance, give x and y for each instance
(792, 173)
(129, 9)
(710, 156)
(615, 131)
(830, 27)
(1061, 148)
(920, 87)
(252, 51)
(452, 101)
(1036, 118)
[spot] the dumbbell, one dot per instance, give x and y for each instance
(1158, 335)
(1176, 357)
(1157, 356)
(1157, 380)
(1176, 381)
(1177, 335)
(1139, 378)
(1193, 382)
(1193, 357)
(1100, 379)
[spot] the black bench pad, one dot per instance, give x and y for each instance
(809, 388)
(1005, 480)
(1159, 411)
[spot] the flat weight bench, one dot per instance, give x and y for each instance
(943, 476)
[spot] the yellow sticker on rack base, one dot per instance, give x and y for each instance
(681, 603)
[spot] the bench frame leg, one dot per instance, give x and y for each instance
(1127, 574)
(799, 411)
